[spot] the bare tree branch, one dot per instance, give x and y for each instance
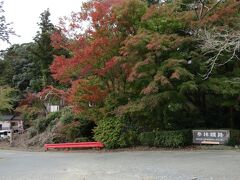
(218, 44)
(5, 29)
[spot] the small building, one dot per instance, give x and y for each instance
(11, 122)
(52, 98)
(52, 108)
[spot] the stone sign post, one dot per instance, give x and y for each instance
(210, 136)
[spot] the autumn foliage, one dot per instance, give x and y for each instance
(124, 69)
(93, 53)
(127, 59)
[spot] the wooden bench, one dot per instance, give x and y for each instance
(74, 145)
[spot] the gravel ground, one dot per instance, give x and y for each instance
(142, 165)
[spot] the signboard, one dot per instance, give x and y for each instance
(210, 136)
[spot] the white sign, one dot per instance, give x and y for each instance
(210, 136)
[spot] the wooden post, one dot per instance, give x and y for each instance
(11, 137)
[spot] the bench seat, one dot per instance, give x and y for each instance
(74, 145)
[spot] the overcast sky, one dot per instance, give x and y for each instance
(25, 15)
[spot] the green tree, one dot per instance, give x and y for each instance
(19, 69)
(6, 73)
(143, 65)
(43, 50)
(7, 98)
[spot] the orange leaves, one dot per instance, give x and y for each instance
(81, 64)
(97, 15)
(51, 91)
(225, 15)
(58, 40)
(58, 68)
(42, 97)
(94, 50)
(29, 99)
(90, 49)
(89, 92)
(83, 93)
(64, 69)
(109, 65)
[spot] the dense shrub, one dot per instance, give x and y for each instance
(72, 131)
(147, 138)
(108, 131)
(78, 129)
(53, 116)
(128, 138)
(166, 138)
(86, 126)
(41, 124)
(29, 114)
(32, 132)
(234, 137)
(67, 116)
(52, 119)
(178, 138)
(65, 127)
(113, 133)
(58, 138)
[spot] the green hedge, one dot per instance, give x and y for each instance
(234, 137)
(173, 139)
(113, 133)
(178, 138)
(147, 138)
(108, 131)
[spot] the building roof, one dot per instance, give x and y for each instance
(6, 117)
(10, 117)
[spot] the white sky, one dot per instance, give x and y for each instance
(25, 15)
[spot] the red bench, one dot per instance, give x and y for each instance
(74, 145)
